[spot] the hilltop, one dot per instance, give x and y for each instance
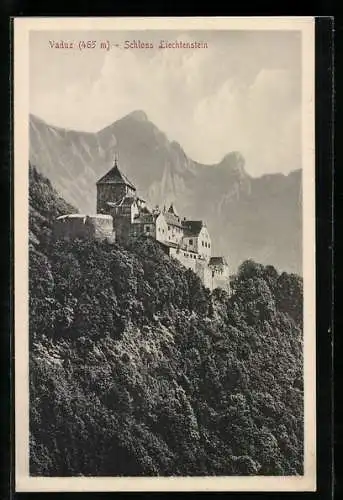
(137, 369)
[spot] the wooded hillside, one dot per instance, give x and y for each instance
(137, 369)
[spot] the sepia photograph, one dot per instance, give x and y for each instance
(164, 254)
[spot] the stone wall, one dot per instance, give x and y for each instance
(198, 265)
(75, 226)
(188, 259)
(100, 227)
(204, 273)
(123, 228)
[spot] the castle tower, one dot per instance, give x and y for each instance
(112, 187)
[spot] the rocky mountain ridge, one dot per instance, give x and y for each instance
(247, 217)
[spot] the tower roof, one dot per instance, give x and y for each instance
(115, 176)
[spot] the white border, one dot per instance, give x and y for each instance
(22, 27)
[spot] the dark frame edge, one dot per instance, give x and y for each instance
(324, 270)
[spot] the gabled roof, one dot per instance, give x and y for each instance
(115, 176)
(218, 261)
(192, 227)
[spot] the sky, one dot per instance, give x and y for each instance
(241, 93)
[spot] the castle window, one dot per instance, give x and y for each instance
(202, 243)
(147, 229)
(191, 242)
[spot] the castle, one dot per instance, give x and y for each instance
(122, 214)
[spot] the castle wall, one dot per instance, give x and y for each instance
(209, 278)
(188, 259)
(204, 273)
(100, 227)
(193, 261)
(122, 226)
(220, 277)
(84, 227)
(219, 282)
(71, 227)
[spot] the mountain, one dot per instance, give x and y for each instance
(258, 218)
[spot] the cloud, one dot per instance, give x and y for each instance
(197, 98)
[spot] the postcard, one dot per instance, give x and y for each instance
(164, 184)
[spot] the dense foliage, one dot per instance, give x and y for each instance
(137, 369)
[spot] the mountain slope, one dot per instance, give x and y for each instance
(45, 204)
(257, 218)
